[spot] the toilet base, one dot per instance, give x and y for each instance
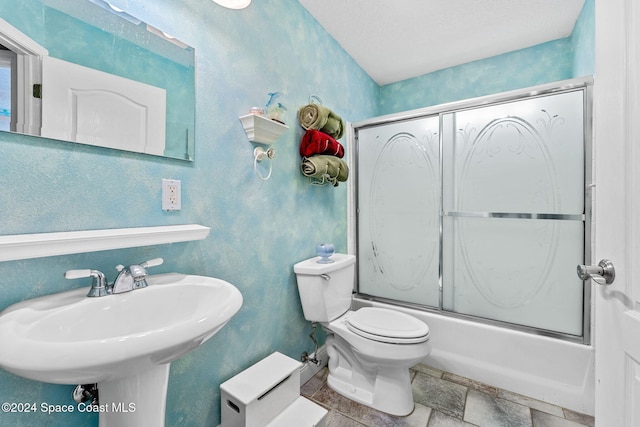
(388, 397)
(384, 387)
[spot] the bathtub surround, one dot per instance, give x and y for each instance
(259, 230)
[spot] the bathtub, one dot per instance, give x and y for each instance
(554, 371)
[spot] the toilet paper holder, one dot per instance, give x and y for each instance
(602, 274)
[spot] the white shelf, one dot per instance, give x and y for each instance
(26, 246)
(261, 129)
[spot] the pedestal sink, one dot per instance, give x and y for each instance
(122, 342)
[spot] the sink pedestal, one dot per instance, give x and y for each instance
(135, 401)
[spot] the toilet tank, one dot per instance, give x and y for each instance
(325, 289)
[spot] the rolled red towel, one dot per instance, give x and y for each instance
(316, 142)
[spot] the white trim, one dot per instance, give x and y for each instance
(27, 246)
(308, 369)
(17, 41)
(617, 206)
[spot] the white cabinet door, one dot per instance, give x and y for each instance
(84, 105)
(617, 211)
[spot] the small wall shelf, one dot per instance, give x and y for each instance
(261, 129)
(26, 246)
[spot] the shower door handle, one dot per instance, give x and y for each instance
(602, 274)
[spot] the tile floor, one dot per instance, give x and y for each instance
(446, 400)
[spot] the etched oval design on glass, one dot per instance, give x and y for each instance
(403, 199)
(507, 165)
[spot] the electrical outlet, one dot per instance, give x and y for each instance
(171, 195)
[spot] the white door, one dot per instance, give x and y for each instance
(617, 211)
(84, 105)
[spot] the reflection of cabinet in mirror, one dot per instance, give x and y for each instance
(88, 106)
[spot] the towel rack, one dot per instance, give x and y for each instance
(259, 154)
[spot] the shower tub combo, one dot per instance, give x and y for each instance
(473, 216)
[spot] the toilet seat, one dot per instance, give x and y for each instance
(389, 326)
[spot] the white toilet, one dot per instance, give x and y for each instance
(370, 350)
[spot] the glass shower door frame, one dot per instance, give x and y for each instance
(584, 85)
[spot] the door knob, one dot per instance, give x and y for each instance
(602, 274)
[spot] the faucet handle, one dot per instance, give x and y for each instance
(99, 284)
(77, 274)
(134, 276)
(139, 272)
(152, 263)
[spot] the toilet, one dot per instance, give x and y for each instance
(371, 349)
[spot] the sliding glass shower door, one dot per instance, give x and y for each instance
(399, 205)
(478, 211)
(513, 196)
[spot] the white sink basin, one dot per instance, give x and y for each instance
(69, 338)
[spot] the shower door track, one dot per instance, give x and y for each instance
(486, 321)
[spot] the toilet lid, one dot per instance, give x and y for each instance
(390, 326)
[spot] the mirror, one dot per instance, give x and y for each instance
(128, 70)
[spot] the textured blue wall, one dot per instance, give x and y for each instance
(583, 40)
(259, 229)
(544, 63)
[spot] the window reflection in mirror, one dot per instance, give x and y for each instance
(7, 89)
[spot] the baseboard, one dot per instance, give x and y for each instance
(308, 369)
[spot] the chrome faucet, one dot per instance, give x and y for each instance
(99, 286)
(133, 276)
(128, 279)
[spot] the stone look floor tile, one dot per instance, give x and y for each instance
(445, 400)
(532, 403)
(438, 419)
(439, 394)
(484, 410)
(418, 418)
(336, 419)
(542, 419)
(331, 399)
(586, 420)
(425, 369)
(487, 389)
(315, 383)
(366, 415)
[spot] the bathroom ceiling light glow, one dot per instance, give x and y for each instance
(233, 4)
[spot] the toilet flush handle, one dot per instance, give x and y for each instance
(325, 276)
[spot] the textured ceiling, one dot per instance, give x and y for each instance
(394, 40)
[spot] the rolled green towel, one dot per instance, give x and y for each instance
(319, 117)
(324, 166)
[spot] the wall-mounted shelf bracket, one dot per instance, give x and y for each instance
(261, 129)
(26, 246)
